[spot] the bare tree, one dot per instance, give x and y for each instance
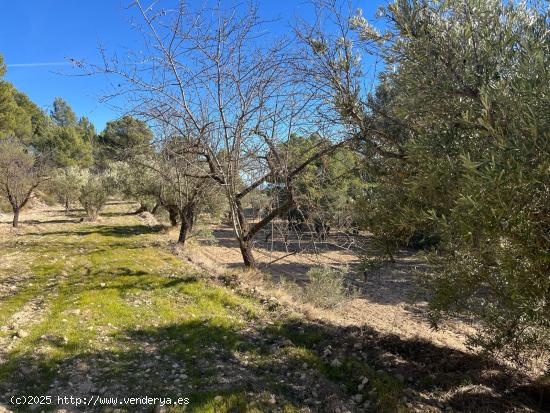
(20, 174)
(220, 81)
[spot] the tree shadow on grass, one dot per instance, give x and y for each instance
(128, 230)
(122, 231)
(120, 202)
(195, 359)
(118, 214)
(203, 359)
(49, 221)
(124, 279)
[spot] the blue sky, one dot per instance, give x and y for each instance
(37, 37)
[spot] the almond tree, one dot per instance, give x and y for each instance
(217, 79)
(20, 174)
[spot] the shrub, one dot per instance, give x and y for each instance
(326, 287)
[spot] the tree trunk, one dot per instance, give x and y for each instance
(173, 215)
(187, 216)
(142, 208)
(66, 205)
(246, 237)
(184, 229)
(15, 222)
(91, 213)
(246, 252)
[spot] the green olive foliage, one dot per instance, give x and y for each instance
(66, 184)
(95, 192)
(467, 90)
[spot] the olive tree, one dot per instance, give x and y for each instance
(95, 192)
(186, 188)
(458, 138)
(66, 184)
(137, 182)
(119, 144)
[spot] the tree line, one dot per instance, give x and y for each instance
(446, 149)
(58, 153)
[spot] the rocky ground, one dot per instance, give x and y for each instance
(107, 310)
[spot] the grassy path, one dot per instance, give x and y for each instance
(105, 310)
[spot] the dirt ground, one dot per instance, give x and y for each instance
(389, 299)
